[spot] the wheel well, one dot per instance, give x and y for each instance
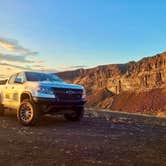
(25, 96)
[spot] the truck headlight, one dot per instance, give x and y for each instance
(84, 94)
(45, 90)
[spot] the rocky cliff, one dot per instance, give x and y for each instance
(116, 85)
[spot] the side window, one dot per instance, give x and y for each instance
(20, 78)
(12, 79)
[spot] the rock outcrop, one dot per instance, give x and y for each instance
(109, 85)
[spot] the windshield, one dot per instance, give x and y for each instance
(33, 76)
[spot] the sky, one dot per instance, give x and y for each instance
(58, 35)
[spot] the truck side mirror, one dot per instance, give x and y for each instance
(18, 80)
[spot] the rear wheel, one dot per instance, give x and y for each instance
(77, 115)
(1, 110)
(28, 113)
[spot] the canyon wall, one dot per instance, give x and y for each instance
(109, 85)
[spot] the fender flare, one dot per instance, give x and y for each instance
(28, 93)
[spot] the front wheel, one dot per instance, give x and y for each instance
(77, 115)
(28, 113)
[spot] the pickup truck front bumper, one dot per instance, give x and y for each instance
(59, 104)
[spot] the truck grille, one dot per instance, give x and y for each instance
(68, 94)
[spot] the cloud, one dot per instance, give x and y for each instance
(73, 67)
(14, 46)
(38, 66)
(15, 66)
(42, 68)
(9, 69)
(50, 70)
(14, 58)
(39, 61)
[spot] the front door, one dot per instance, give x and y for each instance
(7, 91)
(17, 89)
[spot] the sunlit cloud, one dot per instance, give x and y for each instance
(14, 46)
(38, 66)
(51, 70)
(14, 58)
(14, 66)
(9, 69)
(39, 61)
(73, 67)
(42, 68)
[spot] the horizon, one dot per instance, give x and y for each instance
(67, 35)
(54, 72)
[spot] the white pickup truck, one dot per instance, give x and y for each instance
(33, 94)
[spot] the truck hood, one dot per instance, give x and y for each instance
(56, 85)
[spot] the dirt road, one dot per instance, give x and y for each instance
(94, 141)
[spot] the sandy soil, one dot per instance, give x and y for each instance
(94, 141)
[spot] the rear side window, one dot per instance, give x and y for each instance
(12, 79)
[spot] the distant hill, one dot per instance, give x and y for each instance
(133, 87)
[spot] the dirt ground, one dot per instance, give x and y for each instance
(93, 141)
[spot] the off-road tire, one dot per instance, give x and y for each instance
(76, 116)
(28, 113)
